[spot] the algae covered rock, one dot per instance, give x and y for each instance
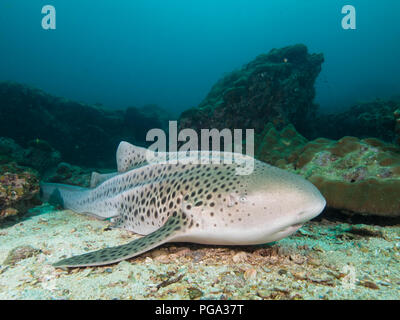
(277, 87)
(356, 176)
(277, 147)
(19, 187)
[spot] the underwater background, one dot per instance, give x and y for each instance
(324, 102)
(141, 52)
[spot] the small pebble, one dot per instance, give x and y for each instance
(162, 258)
(369, 284)
(240, 257)
(194, 293)
(250, 274)
(148, 260)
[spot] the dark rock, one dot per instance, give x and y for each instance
(397, 126)
(69, 174)
(141, 120)
(10, 151)
(83, 134)
(277, 87)
(375, 119)
(38, 155)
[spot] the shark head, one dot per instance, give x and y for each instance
(264, 206)
(280, 202)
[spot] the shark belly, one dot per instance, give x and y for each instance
(237, 236)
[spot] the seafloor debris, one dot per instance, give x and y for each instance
(20, 253)
(194, 293)
(321, 265)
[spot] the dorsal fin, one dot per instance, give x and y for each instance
(98, 178)
(130, 156)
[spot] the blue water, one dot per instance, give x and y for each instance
(134, 52)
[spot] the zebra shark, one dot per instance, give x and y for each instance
(188, 201)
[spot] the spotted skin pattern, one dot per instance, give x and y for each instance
(188, 201)
(152, 201)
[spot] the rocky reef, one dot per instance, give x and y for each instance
(19, 188)
(397, 127)
(375, 119)
(356, 176)
(277, 146)
(83, 134)
(69, 174)
(38, 155)
(277, 87)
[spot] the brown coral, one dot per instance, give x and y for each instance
(18, 188)
(355, 175)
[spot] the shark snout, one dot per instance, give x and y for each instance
(314, 209)
(306, 204)
(295, 222)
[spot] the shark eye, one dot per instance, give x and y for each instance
(243, 199)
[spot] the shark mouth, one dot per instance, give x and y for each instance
(293, 227)
(290, 229)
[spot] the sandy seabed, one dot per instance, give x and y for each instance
(323, 260)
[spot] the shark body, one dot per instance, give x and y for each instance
(186, 201)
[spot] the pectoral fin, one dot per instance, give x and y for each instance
(134, 248)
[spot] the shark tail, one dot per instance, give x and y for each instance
(134, 248)
(63, 195)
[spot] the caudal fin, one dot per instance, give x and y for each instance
(134, 248)
(60, 194)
